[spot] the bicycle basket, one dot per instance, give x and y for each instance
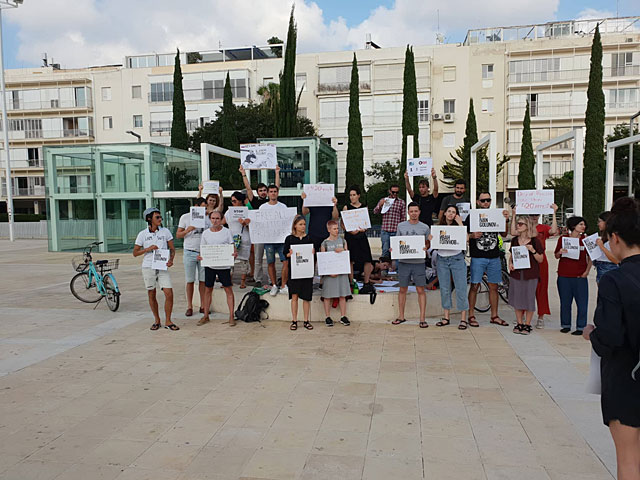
(79, 264)
(109, 265)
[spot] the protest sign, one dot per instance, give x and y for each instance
(487, 220)
(463, 209)
(258, 156)
(449, 237)
(520, 257)
(160, 259)
(318, 195)
(332, 263)
(572, 245)
(271, 226)
(534, 202)
(594, 251)
(407, 246)
(219, 255)
(210, 186)
(357, 219)
(301, 261)
(387, 205)
(419, 167)
(197, 217)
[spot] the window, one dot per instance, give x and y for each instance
(137, 121)
(267, 80)
(33, 156)
(302, 111)
(449, 140)
(163, 92)
(423, 110)
(449, 74)
(532, 98)
(621, 64)
(449, 106)
(106, 94)
(337, 79)
(107, 123)
(80, 96)
(301, 82)
(136, 91)
(623, 98)
(487, 71)
(512, 174)
(238, 88)
(487, 105)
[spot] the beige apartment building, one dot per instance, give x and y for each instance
(500, 68)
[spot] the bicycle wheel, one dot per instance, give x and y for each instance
(112, 297)
(503, 287)
(84, 290)
(482, 298)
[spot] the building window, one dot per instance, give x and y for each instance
(449, 140)
(106, 94)
(449, 74)
(487, 105)
(423, 110)
(487, 71)
(107, 123)
(136, 91)
(532, 98)
(449, 106)
(214, 90)
(267, 80)
(301, 82)
(622, 64)
(80, 94)
(33, 156)
(302, 111)
(512, 174)
(137, 121)
(623, 98)
(239, 88)
(163, 92)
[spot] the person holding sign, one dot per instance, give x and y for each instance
(458, 196)
(236, 218)
(606, 262)
(393, 212)
(217, 235)
(318, 218)
(524, 281)
(572, 277)
(299, 287)
(358, 244)
(335, 286)
(191, 246)
(272, 248)
(412, 269)
(214, 201)
(152, 238)
(428, 202)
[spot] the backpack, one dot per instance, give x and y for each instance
(251, 308)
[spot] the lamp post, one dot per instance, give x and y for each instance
(5, 121)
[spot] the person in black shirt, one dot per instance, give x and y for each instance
(458, 196)
(299, 287)
(427, 202)
(318, 218)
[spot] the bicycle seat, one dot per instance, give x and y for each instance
(102, 262)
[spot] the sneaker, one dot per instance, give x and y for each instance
(284, 290)
(565, 330)
(540, 323)
(274, 291)
(328, 321)
(366, 289)
(345, 321)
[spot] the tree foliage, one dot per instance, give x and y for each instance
(277, 51)
(409, 111)
(621, 162)
(354, 174)
(179, 135)
(227, 167)
(563, 188)
(526, 176)
(286, 120)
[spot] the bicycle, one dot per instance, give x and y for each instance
(94, 281)
(503, 286)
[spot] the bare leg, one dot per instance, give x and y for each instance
(294, 307)
(327, 307)
(168, 304)
(190, 295)
(153, 303)
(272, 273)
(368, 268)
(202, 290)
(207, 302)
(519, 316)
(446, 314)
(243, 281)
(343, 306)
(493, 299)
(473, 294)
(284, 273)
(627, 442)
(529, 316)
(230, 304)
(252, 260)
(306, 309)
(422, 302)
(402, 301)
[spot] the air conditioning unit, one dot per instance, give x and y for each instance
(449, 117)
(436, 116)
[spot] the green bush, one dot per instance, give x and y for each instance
(23, 217)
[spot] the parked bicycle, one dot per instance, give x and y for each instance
(95, 280)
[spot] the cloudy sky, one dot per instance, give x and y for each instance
(79, 33)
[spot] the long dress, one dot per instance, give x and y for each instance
(358, 243)
(542, 290)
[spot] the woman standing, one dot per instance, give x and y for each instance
(214, 201)
(607, 261)
(239, 228)
(616, 338)
(358, 243)
(299, 287)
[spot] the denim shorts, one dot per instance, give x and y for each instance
(602, 268)
(412, 271)
(271, 249)
(191, 265)
(491, 266)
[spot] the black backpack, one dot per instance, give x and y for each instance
(251, 308)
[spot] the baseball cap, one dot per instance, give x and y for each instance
(149, 211)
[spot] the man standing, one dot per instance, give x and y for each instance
(413, 268)
(393, 212)
(484, 248)
(458, 196)
(427, 202)
(272, 248)
(191, 250)
(148, 240)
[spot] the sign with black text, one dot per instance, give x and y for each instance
(197, 217)
(520, 257)
(160, 259)
(448, 237)
(487, 220)
(407, 247)
(419, 167)
(301, 261)
(572, 246)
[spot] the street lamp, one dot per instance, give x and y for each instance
(5, 121)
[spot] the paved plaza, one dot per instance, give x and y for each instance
(89, 394)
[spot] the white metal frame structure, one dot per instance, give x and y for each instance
(490, 140)
(611, 155)
(577, 136)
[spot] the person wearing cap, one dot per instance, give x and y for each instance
(191, 250)
(153, 237)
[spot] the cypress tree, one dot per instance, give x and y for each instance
(286, 121)
(526, 177)
(229, 175)
(354, 174)
(409, 111)
(460, 166)
(594, 164)
(179, 135)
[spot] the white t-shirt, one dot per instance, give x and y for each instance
(603, 257)
(146, 238)
(243, 230)
(443, 252)
(216, 238)
(267, 206)
(191, 239)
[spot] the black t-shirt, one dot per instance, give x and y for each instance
(451, 200)
(257, 202)
(428, 205)
(293, 240)
(487, 246)
(318, 218)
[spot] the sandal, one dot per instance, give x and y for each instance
(443, 323)
(500, 322)
(526, 329)
(155, 326)
(473, 323)
(189, 312)
(294, 326)
(423, 324)
(307, 325)
(462, 325)
(398, 321)
(517, 328)
(173, 327)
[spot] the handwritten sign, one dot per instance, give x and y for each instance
(197, 217)
(301, 261)
(419, 167)
(594, 251)
(407, 246)
(520, 257)
(210, 186)
(357, 219)
(318, 195)
(271, 226)
(463, 209)
(534, 202)
(217, 256)
(387, 205)
(258, 156)
(332, 263)
(160, 259)
(487, 220)
(449, 237)
(572, 245)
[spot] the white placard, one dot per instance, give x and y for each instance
(301, 261)
(594, 382)
(387, 205)
(210, 186)
(449, 237)
(419, 167)
(160, 259)
(332, 263)
(197, 217)
(594, 251)
(357, 219)
(520, 257)
(238, 213)
(463, 209)
(407, 246)
(219, 255)
(572, 245)
(487, 220)
(258, 156)
(534, 202)
(318, 195)
(271, 226)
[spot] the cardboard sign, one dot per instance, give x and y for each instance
(258, 156)
(407, 246)
(487, 220)
(463, 209)
(520, 257)
(301, 261)
(357, 219)
(332, 263)
(419, 167)
(197, 217)
(594, 251)
(572, 245)
(210, 186)
(387, 205)
(271, 226)
(449, 237)
(318, 195)
(160, 259)
(217, 256)
(534, 202)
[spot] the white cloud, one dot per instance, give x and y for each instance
(94, 32)
(591, 13)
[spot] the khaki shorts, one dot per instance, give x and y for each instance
(156, 278)
(241, 267)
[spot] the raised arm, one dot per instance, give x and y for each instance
(247, 185)
(305, 210)
(514, 228)
(334, 213)
(220, 206)
(278, 176)
(554, 221)
(435, 183)
(407, 184)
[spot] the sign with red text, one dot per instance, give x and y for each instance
(356, 219)
(419, 167)
(534, 202)
(318, 195)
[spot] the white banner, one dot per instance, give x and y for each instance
(210, 186)
(217, 256)
(271, 226)
(449, 237)
(197, 217)
(419, 167)
(387, 205)
(520, 257)
(258, 156)
(594, 251)
(487, 220)
(318, 195)
(408, 246)
(332, 263)
(356, 219)
(463, 209)
(572, 245)
(160, 259)
(301, 261)
(534, 202)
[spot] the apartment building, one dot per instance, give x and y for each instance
(500, 68)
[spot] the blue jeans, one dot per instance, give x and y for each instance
(453, 266)
(385, 237)
(568, 290)
(602, 268)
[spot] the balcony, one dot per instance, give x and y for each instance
(56, 104)
(31, 191)
(202, 94)
(547, 110)
(571, 76)
(341, 87)
(51, 134)
(161, 128)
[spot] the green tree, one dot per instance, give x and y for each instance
(563, 188)
(179, 135)
(387, 174)
(229, 174)
(277, 51)
(621, 162)
(594, 164)
(409, 111)
(526, 177)
(286, 120)
(354, 174)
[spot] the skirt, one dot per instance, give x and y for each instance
(522, 294)
(303, 287)
(335, 287)
(359, 249)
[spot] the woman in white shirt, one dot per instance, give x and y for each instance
(607, 261)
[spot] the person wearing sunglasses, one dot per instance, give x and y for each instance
(394, 211)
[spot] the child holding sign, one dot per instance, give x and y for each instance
(523, 281)
(299, 287)
(335, 286)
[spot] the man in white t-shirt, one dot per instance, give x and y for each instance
(272, 248)
(153, 238)
(191, 250)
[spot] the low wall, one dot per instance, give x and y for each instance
(25, 230)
